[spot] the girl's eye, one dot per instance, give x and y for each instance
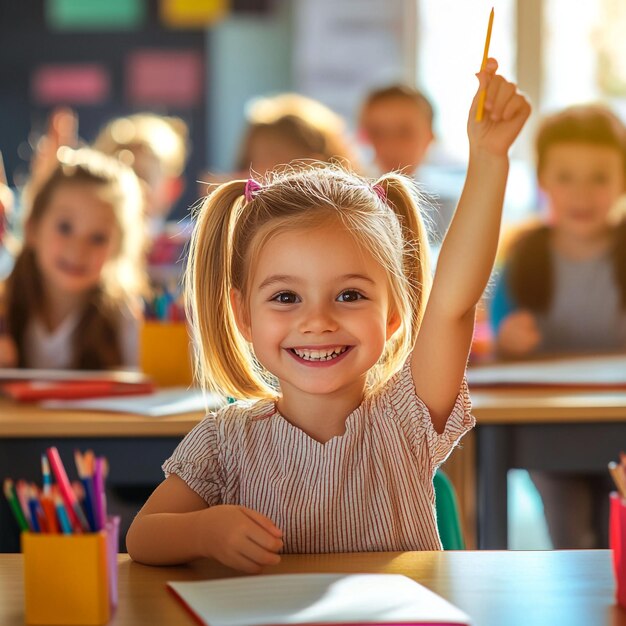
(65, 228)
(564, 178)
(285, 297)
(350, 295)
(99, 239)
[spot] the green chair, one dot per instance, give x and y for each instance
(448, 521)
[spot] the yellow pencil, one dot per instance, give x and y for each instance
(482, 95)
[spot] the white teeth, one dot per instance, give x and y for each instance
(320, 355)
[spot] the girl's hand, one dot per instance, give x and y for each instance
(8, 352)
(518, 334)
(240, 538)
(505, 112)
(62, 131)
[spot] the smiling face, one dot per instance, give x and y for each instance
(74, 238)
(583, 181)
(319, 311)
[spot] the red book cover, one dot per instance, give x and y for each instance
(34, 390)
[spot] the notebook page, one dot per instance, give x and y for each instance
(316, 599)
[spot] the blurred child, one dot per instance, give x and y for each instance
(71, 299)
(290, 127)
(311, 296)
(397, 121)
(156, 147)
(563, 285)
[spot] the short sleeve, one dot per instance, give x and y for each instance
(196, 461)
(431, 447)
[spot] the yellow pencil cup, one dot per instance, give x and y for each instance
(70, 579)
(165, 353)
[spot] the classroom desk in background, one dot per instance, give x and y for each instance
(516, 429)
(135, 446)
(535, 429)
(494, 588)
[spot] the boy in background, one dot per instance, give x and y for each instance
(397, 122)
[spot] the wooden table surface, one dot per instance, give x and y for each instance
(495, 588)
(493, 406)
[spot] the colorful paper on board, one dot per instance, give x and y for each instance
(170, 77)
(70, 84)
(192, 13)
(95, 14)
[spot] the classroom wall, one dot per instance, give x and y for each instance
(246, 56)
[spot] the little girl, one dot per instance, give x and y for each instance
(71, 299)
(308, 293)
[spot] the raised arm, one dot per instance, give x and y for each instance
(468, 251)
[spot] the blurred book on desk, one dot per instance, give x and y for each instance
(173, 401)
(31, 385)
(589, 372)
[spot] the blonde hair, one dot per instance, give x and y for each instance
(310, 127)
(165, 137)
(231, 231)
(123, 278)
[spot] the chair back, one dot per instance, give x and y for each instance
(448, 518)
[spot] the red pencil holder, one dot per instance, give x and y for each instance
(617, 543)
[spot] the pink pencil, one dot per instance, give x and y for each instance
(75, 513)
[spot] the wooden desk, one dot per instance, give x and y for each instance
(494, 588)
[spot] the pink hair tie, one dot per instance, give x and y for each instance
(251, 188)
(379, 190)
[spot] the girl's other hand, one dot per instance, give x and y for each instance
(505, 113)
(518, 334)
(240, 538)
(8, 352)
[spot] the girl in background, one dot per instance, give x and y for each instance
(72, 299)
(311, 295)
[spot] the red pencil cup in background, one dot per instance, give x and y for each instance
(617, 543)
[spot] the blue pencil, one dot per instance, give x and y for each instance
(87, 480)
(64, 520)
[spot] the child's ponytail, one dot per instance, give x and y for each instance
(405, 201)
(222, 356)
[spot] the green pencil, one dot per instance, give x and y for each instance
(11, 496)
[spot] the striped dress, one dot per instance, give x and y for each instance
(369, 489)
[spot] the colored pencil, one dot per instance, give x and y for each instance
(11, 496)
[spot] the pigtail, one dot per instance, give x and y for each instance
(23, 295)
(222, 356)
(405, 201)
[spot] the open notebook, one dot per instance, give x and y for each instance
(171, 401)
(372, 599)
